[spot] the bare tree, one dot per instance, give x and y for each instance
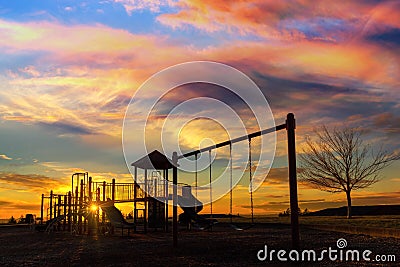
(340, 161)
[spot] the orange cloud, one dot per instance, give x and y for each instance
(385, 14)
(94, 72)
(272, 19)
(18, 208)
(243, 17)
(102, 65)
(31, 182)
(5, 157)
(46, 36)
(355, 61)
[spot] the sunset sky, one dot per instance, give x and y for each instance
(68, 70)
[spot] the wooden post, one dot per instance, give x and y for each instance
(91, 214)
(76, 203)
(294, 206)
(59, 200)
(113, 198)
(113, 190)
(155, 187)
(51, 204)
(135, 186)
(80, 208)
(103, 215)
(90, 190)
(90, 221)
(104, 190)
(175, 199)
(211, 199)
(98, 201)
(59, 210)
(145, 200)
(72, 183)
(69, 210)
(41, 209)
(55, 207)
(166, 200)
(65, 213)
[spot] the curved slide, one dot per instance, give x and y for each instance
(190, 205)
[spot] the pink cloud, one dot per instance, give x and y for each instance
(97, 63)
(277, 20)
(101, 63)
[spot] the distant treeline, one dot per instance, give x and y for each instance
(359, 211)
(287, 212)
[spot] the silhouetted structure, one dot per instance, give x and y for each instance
(80, 209)
(151, 204)
(290, 126)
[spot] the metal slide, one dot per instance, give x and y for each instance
(191, 206)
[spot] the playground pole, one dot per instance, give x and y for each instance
(135, 186)
(69, 210)
(76, 204)
(294, 206)
(98, 201)
(146, 200)
(113, 189)
(166, 199)
(41, 210)
(59, 210)
(90, 189)
(59, 205)
(65, 212)
(51, 204)
(175, 199)
(103, 215)
(80, 207)
(55, 207)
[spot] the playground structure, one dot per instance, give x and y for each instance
(83, 210)
(290, 126)
(80, 211)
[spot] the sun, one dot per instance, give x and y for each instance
(93, 207)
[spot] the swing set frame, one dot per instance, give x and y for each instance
(231, 184)
(290, 126)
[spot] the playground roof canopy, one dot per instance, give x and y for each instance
(154, 161)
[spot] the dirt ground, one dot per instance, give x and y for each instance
(223, 246)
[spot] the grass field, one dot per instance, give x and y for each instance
(362, 221)
(392, 221)
(223, 246)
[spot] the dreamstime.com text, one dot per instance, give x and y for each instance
(333, 254)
